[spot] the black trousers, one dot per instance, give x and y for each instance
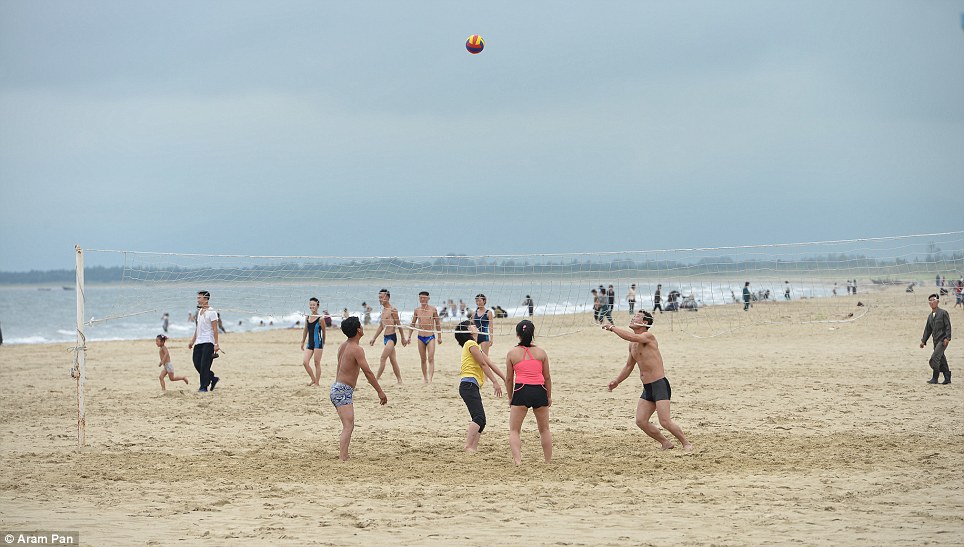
(203, 358)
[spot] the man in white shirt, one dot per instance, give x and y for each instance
(205, 341)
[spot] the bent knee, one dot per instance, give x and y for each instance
(479, 421)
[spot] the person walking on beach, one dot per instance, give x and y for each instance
(165, 322)
(611, 295)
(644, 351)
(596, 305)
(483, 319)
(351, 360)
(631, 298)
(746, 296)
(313, 341)
(658, 299)
(428, 326)
(167, 367)
(938, 326)
(528, 381)
(204, 341)
(476, 366)
(392, 326)
(786, 290)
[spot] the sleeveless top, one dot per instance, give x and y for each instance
(470, 367)
(529, 370)
(482, 321)
(314, 333)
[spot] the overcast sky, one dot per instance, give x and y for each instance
(366, 129)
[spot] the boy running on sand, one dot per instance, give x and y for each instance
(389, 322)
(427, 326)
(644, 351)
(351, 360)
(168, 369)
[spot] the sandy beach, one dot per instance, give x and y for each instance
(814, 434)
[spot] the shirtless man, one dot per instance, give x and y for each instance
(428, 327)
(390, 323)
(644, 350)
(351, 360)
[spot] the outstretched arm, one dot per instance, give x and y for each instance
(370, 376)
(624, 373)
(627, 334)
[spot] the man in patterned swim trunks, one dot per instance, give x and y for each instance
(644, 350)
(351, 360)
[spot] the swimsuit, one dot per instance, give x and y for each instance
(657, 391)
(482, 322)
(390, 338)
(341, 394)
(169, 367)
(315, 339)
(426, 339)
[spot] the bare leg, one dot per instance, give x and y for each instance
(161, 378)
(390, 348)
(317, 355)
(644, 410)
(347, 415)
(176, 378)
(545, 436)
(517, 414)
(662, 411)
(472, 436)
(422, 356)
(485, 347)
(431, 360)
(305, 362)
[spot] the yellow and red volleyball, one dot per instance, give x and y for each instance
(475, 44)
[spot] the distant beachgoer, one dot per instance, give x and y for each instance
(483, 319)
(461, 308)
(392, 326)
(313, 341)
(345, 314)
(855, 286)
(607, 298)
(631, 298)
(367, 320)
(327, 318)
(529, 384)
(611, 294)
(644, 351)
(529, 304)
(428, 326)
(596, 305)
(351, 360)
(167, 367)
(206, 337)
(476, 366)
(221, 324)
(939, 326)
(165, 322)
(786, 290)
(835, 288)
(658, 299)
(746, 296)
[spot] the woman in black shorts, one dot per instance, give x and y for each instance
(527, 378)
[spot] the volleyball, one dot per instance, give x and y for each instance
(475, 44)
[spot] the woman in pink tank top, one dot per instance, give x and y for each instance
(527, 379)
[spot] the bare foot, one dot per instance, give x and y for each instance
(185, 381)
(688, 447)
(471, 450)
(668, 446)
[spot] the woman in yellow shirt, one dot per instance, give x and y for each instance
(475, 367)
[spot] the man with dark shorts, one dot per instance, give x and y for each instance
(644, 351)
(205, 342)
(939, 326)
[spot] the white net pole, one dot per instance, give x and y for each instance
(80, 352)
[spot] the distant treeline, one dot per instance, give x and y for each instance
(461, 266)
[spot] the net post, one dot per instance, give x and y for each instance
(80, 352)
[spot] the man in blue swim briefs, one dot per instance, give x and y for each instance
(428, 327)
(351, 360)
(392, 326)
(644, 351)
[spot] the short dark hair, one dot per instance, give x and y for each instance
(350, 326)
(161, 337)
(205, 294)
(934, 296)
(423, 293)
(482, 296)
(388, 294)
(462, 334)
(313, 299)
